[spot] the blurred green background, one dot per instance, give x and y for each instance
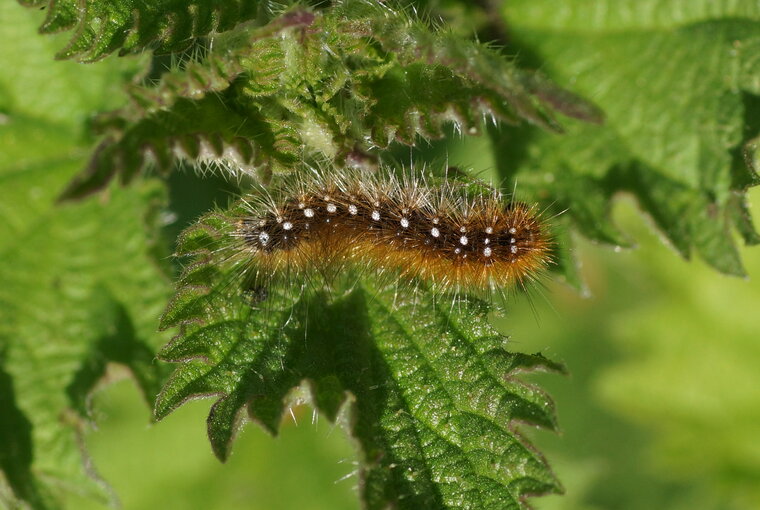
(661, 410)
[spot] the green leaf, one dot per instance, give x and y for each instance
(101, 27)
(16, 450)
(334, 84)
(80, 293)
(680, 91)
(81, 284)
(428, 389)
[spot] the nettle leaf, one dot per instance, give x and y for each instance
(80, 293)
(428, 389)
(81, 290)
(680, 91)
(333, 84)
(100, 27)
(81, 283)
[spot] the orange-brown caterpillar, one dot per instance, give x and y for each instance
(456, 237)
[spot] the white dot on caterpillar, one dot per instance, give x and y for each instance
(263, 238)
(463, 214)
(513, 249)
(262, 223)
(513, 230)
(309, 213)
(331, 208)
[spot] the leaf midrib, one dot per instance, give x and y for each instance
(404, 328)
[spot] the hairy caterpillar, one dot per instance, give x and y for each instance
(453, 236)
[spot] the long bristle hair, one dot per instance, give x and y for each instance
(451, 236)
